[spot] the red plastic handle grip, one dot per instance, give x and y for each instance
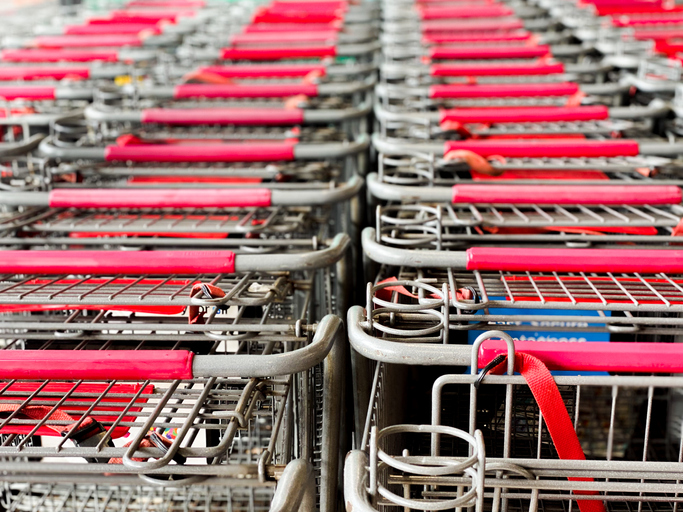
(27, 93)
(599, 357)
(489, 52)
(483, 25)
(525, 114)
(121, 28)
(26, 55)
(278, 53)
(567, 194)
(263, 70)
(159, 198)
(40, 72)
(481, 37)
(290, 27)
(115, 263)
(166, 3)
(235, 116)
(305, 36)
(244, 91)
(87, 41)
(643, 34)
(296, 17)
(151, 14)
(95, 364)
(647, 19)
(465, 11)
(574, 260)
(503, 90)
(546, 148)
(516, 69)
(248, 152)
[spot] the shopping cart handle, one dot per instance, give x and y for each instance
(233, 116)
(117, 263)
(165, 3)
(184, 91)
(500, 69)
(464, 11)
(241, 152)
(151, 15)
(119, 28)
(304, 36)
(10, 93)
(86, 41)
(262, 70)
(291, 27)
(547, 148)
(644, 34)
(489, 52)
(567, 194)
(278, 52)
(525, 114)
(455, 91)
(616, 261)
(482, 25)
(41, 55)
(42, 72)
(630, 20)
(298, 16)
(596, 356)
(159, 198)
(474, 37)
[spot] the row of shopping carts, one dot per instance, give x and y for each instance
(517, 345)
(179, 207)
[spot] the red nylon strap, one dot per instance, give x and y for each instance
(556, 417)
(40, 412)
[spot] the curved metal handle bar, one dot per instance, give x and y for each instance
(295, 490)
(355, 476)
(292, 262)
(389, 192)
(13, 149)
(344, 192)
(379, 349)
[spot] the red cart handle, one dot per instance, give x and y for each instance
(159, 198)
(41, 73)
(647, 19)
(116, 263)
(281, 90)
(112, 28)
(489, 52)
(502, 90)
(278, 52)
(474, 37)
(166, 3)
(305, 36)
(263, 70)
(28, 55)
(241, 152)
(87, 41)
(574, 260)
(235, 116)
(483, 25)
(657, 35)
(525, 114)
(94, 364)
(567, 194)
(300, 16)
(547, 148)
(594, 357)
(464, 11)
(151, 15)
(515, 69)
(34, 93)
(291, 27)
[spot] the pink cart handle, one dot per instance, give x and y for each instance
(567, 194)
(649, 19)
(516, 69)
(594, 357)
(547, 148)
(157, 15)
(304, 36)
(166, 3)
(302, 17)
(290, 27)
(525, 114)
(489, 52)
(87, 41)
(503, 90)
(34, 93)
(159, 198)
(42, 72)
(278, 52)
(263, 70)
(26, 55)
(643, 34)
(282, 90)
(474, 37)
(574, 260)
(118, 263)
(246, 152)
(465, 11)
(451, 26)
(95, 364)
(235, 116)
(120, 28)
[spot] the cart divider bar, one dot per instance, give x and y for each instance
(235, 116)
(184, 91)
(566, 194)
(547, 148)
(525, 114)
(503, 90)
